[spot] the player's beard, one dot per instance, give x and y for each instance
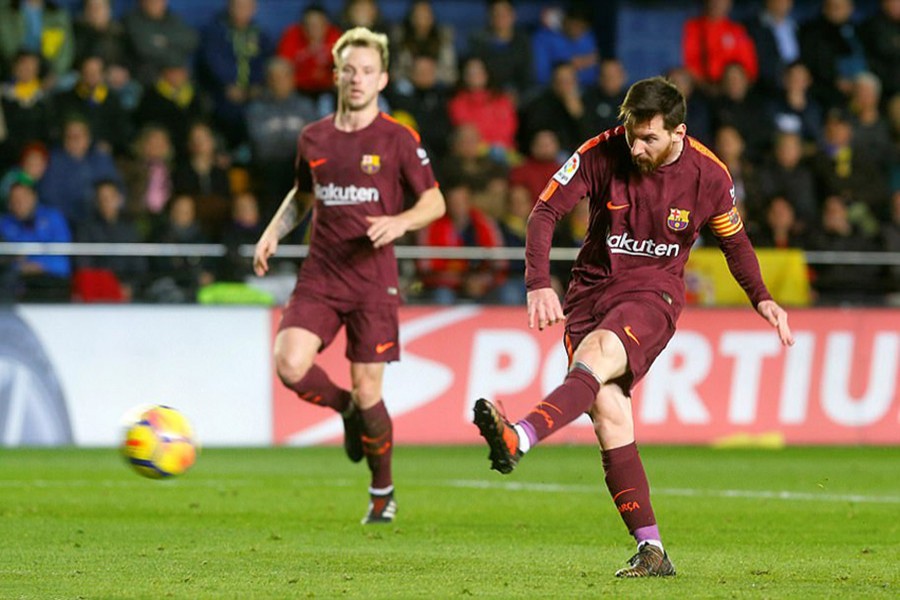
(646, 165)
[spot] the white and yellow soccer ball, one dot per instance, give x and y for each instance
(159, 442)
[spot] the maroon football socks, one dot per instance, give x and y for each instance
(378, 445)
(564, 404)
(317, 388)
(630, 491)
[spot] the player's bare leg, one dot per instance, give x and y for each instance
(295, 354)
(377, 439)
(627, 482)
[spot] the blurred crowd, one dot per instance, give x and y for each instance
(145, 129)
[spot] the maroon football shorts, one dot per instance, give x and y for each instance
(372, 329)
(644, 321)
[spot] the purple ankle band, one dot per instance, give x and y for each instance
(650, 532)
(529, 431)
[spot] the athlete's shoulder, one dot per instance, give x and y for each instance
(390, 122)
(323, 124)
(608, 138)
(318, 129)
(706, 159)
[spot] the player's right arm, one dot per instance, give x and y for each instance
(287, 217)
(567, 186)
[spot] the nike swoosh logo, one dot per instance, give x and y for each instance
(612, 206)
(631, 335)
(317, 163)
(382, 348)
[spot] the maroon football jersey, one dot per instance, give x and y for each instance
(355, 175)
(641, 226)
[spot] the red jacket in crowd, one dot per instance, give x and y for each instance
(313, 65)
(711, 45)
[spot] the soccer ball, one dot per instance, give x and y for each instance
(159, 442)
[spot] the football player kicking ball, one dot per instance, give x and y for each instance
(651, 188)
(354, 166)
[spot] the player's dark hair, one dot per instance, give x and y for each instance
(650, 97)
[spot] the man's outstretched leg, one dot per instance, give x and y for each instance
(566, 403)
(295, 351)
(627, 483)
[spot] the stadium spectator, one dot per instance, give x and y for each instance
(741, 106)
(479, 102)
(204, 177)
(243, 228)
(788, 174)
(422, 101)
(842, 170)
(504, 48)
(26, 107)
(41, 277)
(569, 233)
(571, 42)
(699, 109)
(30, 170)
(602, 99)
(731, 150)
(774, 35)
(274, 121)
(836, 284)
(513, 225)
(879, 34)
(73, 169)
(307, 45)
(148, 178)
(832, 49)
(157, 39)
(94, 101)
(558, 108)
(98, 34)
(794, 110)
(448, 281)
(177, 279)
(350, 277)
(420, 33)
(42, 28)
(712, 41)
(363, 13)
(232, 56)
(779, 228)
(106, 224)
(623, 301)
(543, 160)
(171, 103)
(468, 161)
(871, 131)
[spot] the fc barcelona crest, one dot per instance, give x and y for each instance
(678, 219)
(370, 164)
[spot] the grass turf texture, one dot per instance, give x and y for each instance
(277, 523)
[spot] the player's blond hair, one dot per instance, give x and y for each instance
(364, 38)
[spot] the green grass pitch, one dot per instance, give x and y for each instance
(284, 523)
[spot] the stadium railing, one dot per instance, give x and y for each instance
(818, 257)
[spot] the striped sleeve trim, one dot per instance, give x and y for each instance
(708, 154)
(728, 224)
(408, 128)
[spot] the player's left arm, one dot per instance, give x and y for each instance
(744, 266)
(429, 207)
